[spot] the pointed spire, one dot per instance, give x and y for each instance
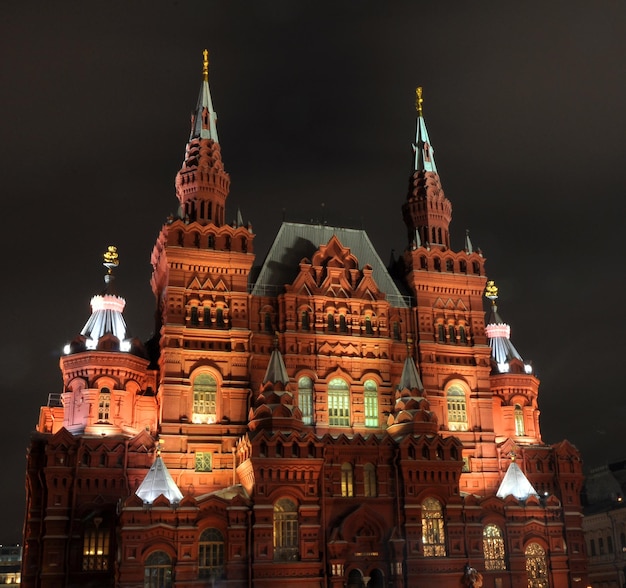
(276, 370)
(469, 248)
(239, 218)
(424, 153)
(204, 118)
(158, 481)
(515, 483)
(410, 379)
(427, 212)
(499, 334)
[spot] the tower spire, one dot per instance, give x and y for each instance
(427, 212)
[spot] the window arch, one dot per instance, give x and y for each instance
(493, 548)
(457, 408)
(519, 420)
(369, 480)
(211, 554)
(305, 399)
(370, 400)
(285, 530)
(157, 570)
(347, 480)
(433, 529)
(338, 403)
(204, 399)
(536, 566)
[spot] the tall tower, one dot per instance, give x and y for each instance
(200, 278)
(448, 289)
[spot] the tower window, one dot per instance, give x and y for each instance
(347, 480)
(211, 554)
(338, 403)
(331, 323)
(104, 405)
(457, 409)
(433, 529)
(305, 399)
(204, 399)
(305, 323)
(370, 400)
(194, 316)
(343, 327)
(285, 530)
(368, 326)
(519, 420)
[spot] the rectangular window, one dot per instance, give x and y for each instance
(204, 461)
(338, 408)
(371, 409)
(96, 550)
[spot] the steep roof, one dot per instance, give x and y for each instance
(515, 483)
(158, 481)
(296, 241)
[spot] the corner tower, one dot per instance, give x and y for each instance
(200, 280)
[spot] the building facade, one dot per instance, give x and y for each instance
(318, 419)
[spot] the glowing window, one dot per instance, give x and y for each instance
(305, 399)
(204, 399)
(157, 571)
(211, 554)
(536, 566)
(338, 403)
(370, 399)
(493, 548)
(457, 409)
(369, 480)
(96, 547)
(433, 530)
(104, 404)
(285, 530)
(519, 420)
(347, 480)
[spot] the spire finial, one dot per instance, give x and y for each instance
(111, 259)
(205, 65)
(419, 101)
(491, 291)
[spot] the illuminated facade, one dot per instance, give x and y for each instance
(316, 420)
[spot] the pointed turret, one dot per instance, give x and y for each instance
(503, 352)
(158, 481)
(427, 212)
(515, 483)
(202, 185)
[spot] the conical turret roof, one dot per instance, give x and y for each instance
(158, 481)
(515, 483)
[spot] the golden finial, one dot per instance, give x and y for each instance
(419, 101)
(111, 258)
(159, 447)
(205, 65)
(491, 291)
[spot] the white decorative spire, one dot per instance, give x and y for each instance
(424, 153)
(159, 481)
(204, 121)
(515, 483)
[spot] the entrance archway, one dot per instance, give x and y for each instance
(377, 580)
(355, 579)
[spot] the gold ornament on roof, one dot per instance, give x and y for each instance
(491, 291)
(111, 258)
(205, 65)
(419, 101)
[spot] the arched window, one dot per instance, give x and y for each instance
(305, 323)
(536, 566)
(451, 334)
(368, 326)
(457, 409)
(157, 572)
(369, 480)
(96, 546)
(104, 404)
(305, 399)
(211, 554)
(343, 327)
(462, 335)
(194, 321)
(219, 318)
(519, 420)
(433, 530)
(370, 399)
(204, 399)
(206, 319)
(331, 323)
(347, 480)
(338, 403)
(441, 333)
(493, 548)
(285, 530)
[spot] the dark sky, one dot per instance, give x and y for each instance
(524, 104)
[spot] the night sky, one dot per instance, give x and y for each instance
(524, 104)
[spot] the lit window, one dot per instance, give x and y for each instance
(204, 399)
(369, 480)
(371, 403)
(157, 570)
(338, 403)
(305, 399)
(347, 480)
(493, 548)
(96, 547)
(433, 530)
(104, 404)
(285, 530)
(457, 409)
(204, 461)
(211, 554)
(536, 566)
(519, 420)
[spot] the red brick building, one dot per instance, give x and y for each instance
(316, 420)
